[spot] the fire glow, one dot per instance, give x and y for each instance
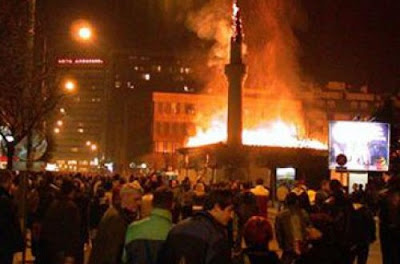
(276, 133)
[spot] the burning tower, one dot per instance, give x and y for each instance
(235, 72)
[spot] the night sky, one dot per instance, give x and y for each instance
(356, 41)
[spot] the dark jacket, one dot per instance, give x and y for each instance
(11, 240)
(145, 238)
(362, 225)
(260, 256)
(197, 240)
(60, 234)
(109, 242)
(285, 230)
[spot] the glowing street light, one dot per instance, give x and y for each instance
(69, 85)
(93, 147)
(88, 143)
(56, 130)
(82, 31)
(60, 123)
(85, 33)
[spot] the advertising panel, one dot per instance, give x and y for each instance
(364, 144)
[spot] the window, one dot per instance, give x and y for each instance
(160, 106)
(167, 108)
(364, 105)
(331, 104)
(354, 105)
(189, 109)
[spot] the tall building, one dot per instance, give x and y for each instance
(134, 77)
(79, 126)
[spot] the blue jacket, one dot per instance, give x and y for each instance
(197, 240)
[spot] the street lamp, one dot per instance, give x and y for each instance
(82, 30)
(85, 33)
(69, 85)
(93, 147)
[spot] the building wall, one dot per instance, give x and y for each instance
(176, 115)
(81, 136)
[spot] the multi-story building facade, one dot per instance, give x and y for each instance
(79, 126)
(134, 77)
(175, 116)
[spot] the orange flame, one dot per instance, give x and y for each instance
(276, 133)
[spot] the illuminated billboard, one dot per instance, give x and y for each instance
(365, 145)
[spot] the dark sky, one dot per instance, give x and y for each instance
(356, 41)
(353, 40)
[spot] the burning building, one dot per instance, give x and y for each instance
(251, 132)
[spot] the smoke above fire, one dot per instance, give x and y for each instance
(272, 58)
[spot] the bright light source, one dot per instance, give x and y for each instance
(147, 76)
(57, 130)
(62, 110)
(88, 143)
(69, 85)
(85, 33)
(60, 123)
(93, 147)
(80, 130)
(10, 138)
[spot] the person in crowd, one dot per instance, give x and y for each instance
(176, 210)
(199, 197)
(262, 196)
(322, 193)
(245, 208)
(144, 238)
(281, 193)
(300, 190)
(147, 201)
(363, 229)
(60, 233)
(340, 210)
(203, 237)
(109, 242)
(291, 230)
(98, 206)
(389, 221)
(187, 200)
(11, 239)
(257, 235)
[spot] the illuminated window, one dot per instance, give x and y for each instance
(117, 84)
(146, 76)
(160, 106)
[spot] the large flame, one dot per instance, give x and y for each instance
(276, 133)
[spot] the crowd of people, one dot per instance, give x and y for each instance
(152, 219)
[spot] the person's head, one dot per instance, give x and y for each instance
(173, 183)
(219, 203)
(131, 196)
(361, 187)
(257, 232)
(6, 179)
(247, 186)
(335, 186)
(163, 198)
(355, 187)
(259, 181)
(292, 200)
(67, 188)
(199, 188)
(325, 185)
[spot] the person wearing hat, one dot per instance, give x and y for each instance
(109, 242)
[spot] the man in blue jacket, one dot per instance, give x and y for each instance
(202, 238)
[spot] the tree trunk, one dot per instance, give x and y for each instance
(10, 155)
